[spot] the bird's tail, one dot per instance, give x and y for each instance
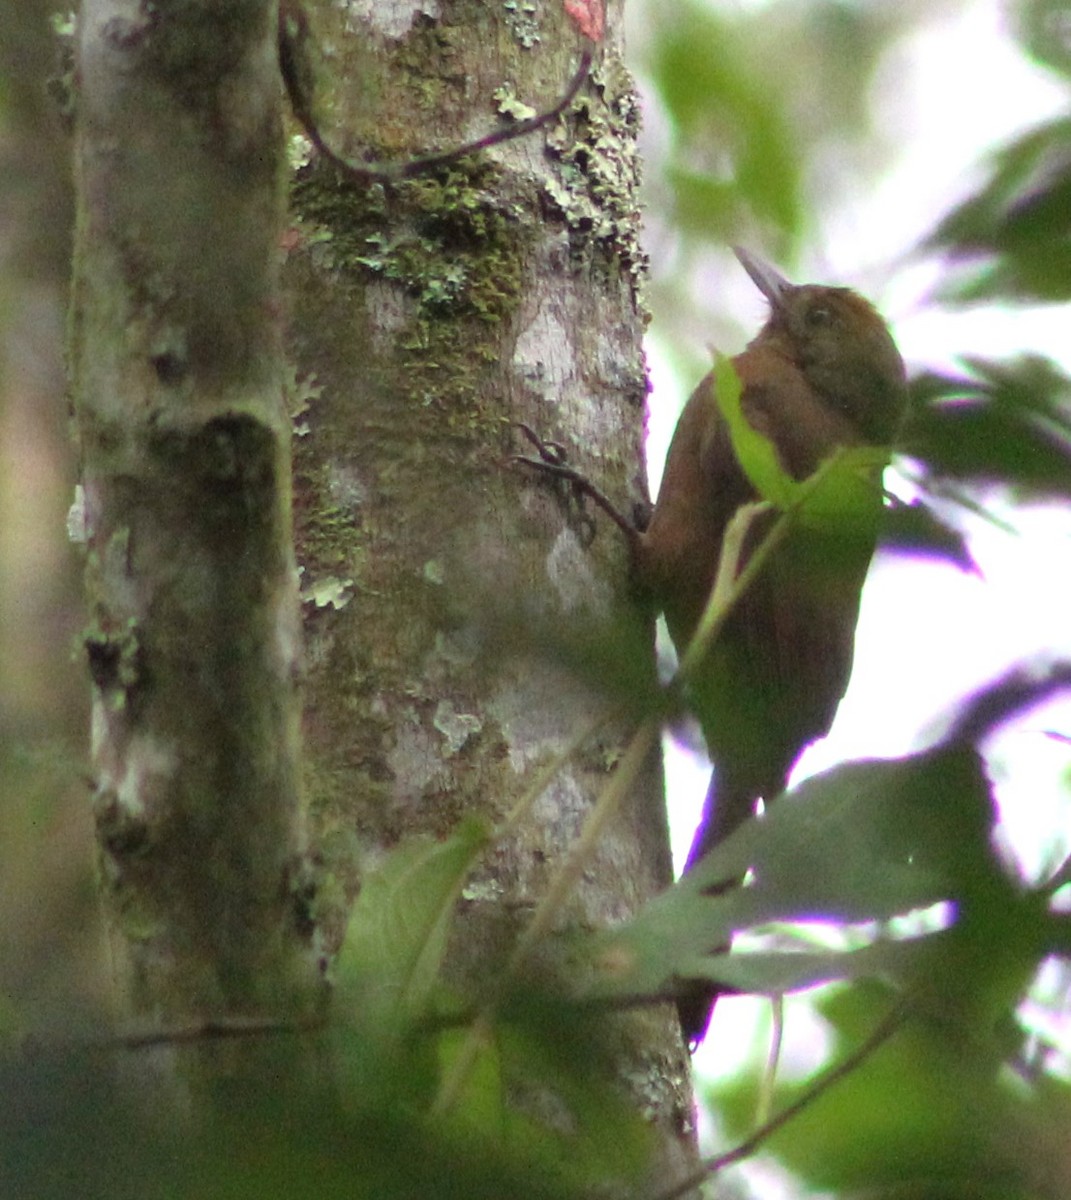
(729, 802)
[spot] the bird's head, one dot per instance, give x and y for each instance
(842, 346)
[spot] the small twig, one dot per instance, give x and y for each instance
(297, 75)
(730, 583)
(886, 1027)
(210, 1029)
(953, 494)
(519, 813)
(729, 586)
(609, 802)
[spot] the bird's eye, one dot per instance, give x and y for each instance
(819, 315)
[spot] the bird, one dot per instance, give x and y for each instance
(822, 373)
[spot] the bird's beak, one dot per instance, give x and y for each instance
(773, 285)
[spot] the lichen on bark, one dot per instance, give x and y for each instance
(430, 314)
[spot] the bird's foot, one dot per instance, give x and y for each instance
(552, 460)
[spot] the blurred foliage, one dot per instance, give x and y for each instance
(343, 1110)
(733, 148)
(754, 100)
(934, 1114)
(1043, 31)
(73, 1126)
(763, 106)
(916, 530)
(1012, 239)
(1005, 423)
(862, 843)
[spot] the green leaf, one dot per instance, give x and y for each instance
(916, 529)
(841, 496)
(1014, 236)
(776, 972)
(844, 495)
(397, 932)
(865, 841)
(1005, 423)
(927, 1115)
(546, 1044)
(755, 452)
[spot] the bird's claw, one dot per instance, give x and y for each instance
(553, 458)
(553, 461)
(551, 454)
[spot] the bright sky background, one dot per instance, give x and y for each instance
(957, 89)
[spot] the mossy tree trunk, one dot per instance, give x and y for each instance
(427, 316)
(184, 441)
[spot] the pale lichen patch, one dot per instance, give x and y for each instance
(391, 18)
(544, 356)
(456, 727)
(570, 571)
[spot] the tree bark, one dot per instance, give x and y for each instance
(178, 381)
(426, 317)
(49, 946)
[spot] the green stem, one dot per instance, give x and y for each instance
(553, 901)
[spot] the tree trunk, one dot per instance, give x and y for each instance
(49, 946)
(193, 639)
(427, 316)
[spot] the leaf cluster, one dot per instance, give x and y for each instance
(883, 877)
(347, 1108)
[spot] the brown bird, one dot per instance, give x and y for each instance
(822, 373)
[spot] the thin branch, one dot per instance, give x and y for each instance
(886, 1027)
(519, 813)
(945, 490)
(729, 585)
(548, 909)
(610, 801)
(211, 1029)
(297, 75)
